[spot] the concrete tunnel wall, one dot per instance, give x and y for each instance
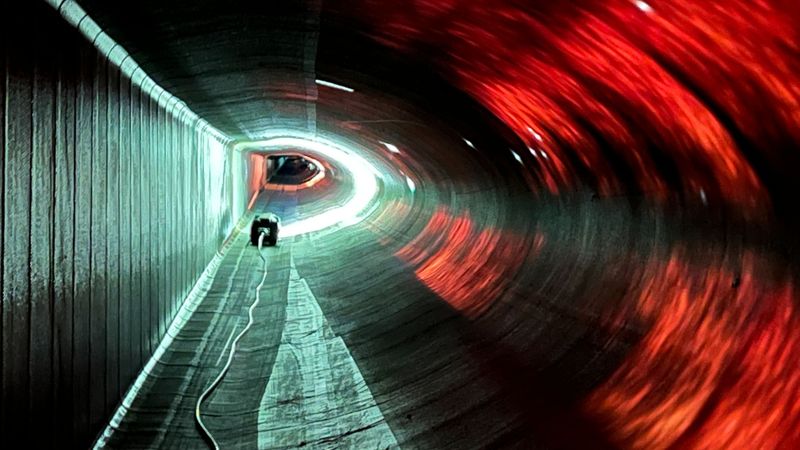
(115, 198)
(248, 177)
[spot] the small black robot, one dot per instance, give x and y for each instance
(269, 224)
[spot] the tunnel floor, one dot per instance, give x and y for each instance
(348, 350)
(292, 382)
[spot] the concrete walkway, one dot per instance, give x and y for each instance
(316, 395)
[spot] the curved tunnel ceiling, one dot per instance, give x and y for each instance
(602, 203)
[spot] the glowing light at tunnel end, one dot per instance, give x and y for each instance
(364, 175)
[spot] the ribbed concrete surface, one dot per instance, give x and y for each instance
(111, 208)
(251, 65)
(293, 381)
(162, 416)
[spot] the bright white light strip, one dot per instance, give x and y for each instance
(517, 157)
(544, 154)
(391, 147)
(533, 152)
(411, 186)
(365, 183)
(468, 142)
(535, 134)
(334, 86)
(643, 6)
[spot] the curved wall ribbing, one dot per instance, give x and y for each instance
(115, 197)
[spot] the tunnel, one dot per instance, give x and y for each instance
(498, 224)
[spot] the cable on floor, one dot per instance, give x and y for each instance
(197, 411)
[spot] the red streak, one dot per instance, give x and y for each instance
(466, 267)
(673, 78)
(717, 368)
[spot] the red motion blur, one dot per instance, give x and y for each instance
(455, 260)
(719, 367)
(635, 72)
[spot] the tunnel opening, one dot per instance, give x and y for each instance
(293, 169)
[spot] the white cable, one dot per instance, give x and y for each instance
(197, 415)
